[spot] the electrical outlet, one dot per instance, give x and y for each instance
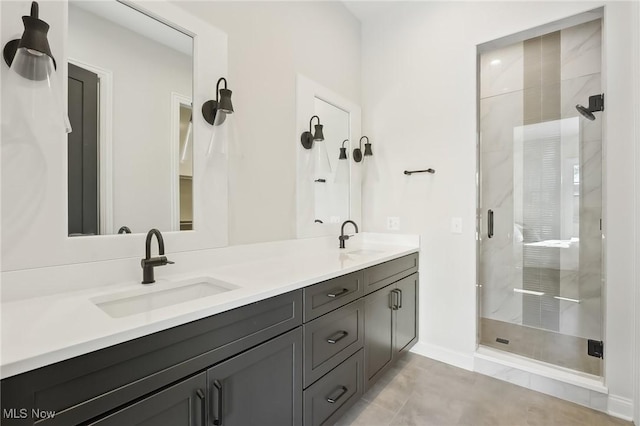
(393, 223)
(334, 219)
(456, 225)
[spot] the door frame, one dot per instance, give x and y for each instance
(105, 144)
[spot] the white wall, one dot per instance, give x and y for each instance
(421, 58)
(269, 43)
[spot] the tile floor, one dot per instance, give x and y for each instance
(423, 392)
(548, 346)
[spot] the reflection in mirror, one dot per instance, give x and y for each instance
(130, 91)
(185, 142)
(331, 190)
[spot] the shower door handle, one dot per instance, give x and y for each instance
(490, 223)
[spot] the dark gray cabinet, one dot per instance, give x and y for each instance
(406, 314)
(83, 388)
(391, 325)
(262, 386)
(183, 404)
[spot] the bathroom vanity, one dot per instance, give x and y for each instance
(300, 357)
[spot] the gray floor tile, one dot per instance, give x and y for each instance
(422, 392)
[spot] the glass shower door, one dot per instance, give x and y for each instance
(540, 239)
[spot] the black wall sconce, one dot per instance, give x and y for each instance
(32, 68)
(222, 104)
(343, 151)
(307, 138)
(357, 153)
(31, 52)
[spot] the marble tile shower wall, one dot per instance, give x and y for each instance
(518, 93)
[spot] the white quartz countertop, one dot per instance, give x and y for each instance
(39, 331)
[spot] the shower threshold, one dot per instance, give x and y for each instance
(541, 345)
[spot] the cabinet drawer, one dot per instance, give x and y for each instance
(329, 295)
(330, 397)
(386, 273)
(84, 387)
(331, 339)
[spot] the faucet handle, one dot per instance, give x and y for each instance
(170, 262)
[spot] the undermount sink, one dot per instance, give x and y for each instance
(365, 252)
(160, 296)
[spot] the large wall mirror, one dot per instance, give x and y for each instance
(130, 90)
(154, 63)
(327, 190)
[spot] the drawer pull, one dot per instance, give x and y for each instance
(203, 407)
(217, 420)
(332, 399)
(337, 337)
(339, 293)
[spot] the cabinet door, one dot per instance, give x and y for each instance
(262, 386)
(406, 315)
(378, 330)
(182, 404)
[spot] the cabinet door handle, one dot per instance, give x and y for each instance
(338, 293)
(341, 391)
(203, 407)
(399, 298)
(490, 223)
(337, 337)
(217, 420)
(394, 299)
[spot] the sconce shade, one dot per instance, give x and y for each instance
(32, 89)
(367, 149)
(318, 135)
(32, 50)
(225, 104)
(322, 167)
(343, 154)
(343, 151)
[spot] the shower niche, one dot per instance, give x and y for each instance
(540, 194)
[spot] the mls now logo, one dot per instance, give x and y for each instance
(23, 413)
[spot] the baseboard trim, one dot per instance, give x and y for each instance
(620, 407)
(442, 354)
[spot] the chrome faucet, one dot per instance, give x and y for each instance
(148, 263)
(343, 237)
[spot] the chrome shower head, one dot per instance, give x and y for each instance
(596, 103)
(585, 112)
